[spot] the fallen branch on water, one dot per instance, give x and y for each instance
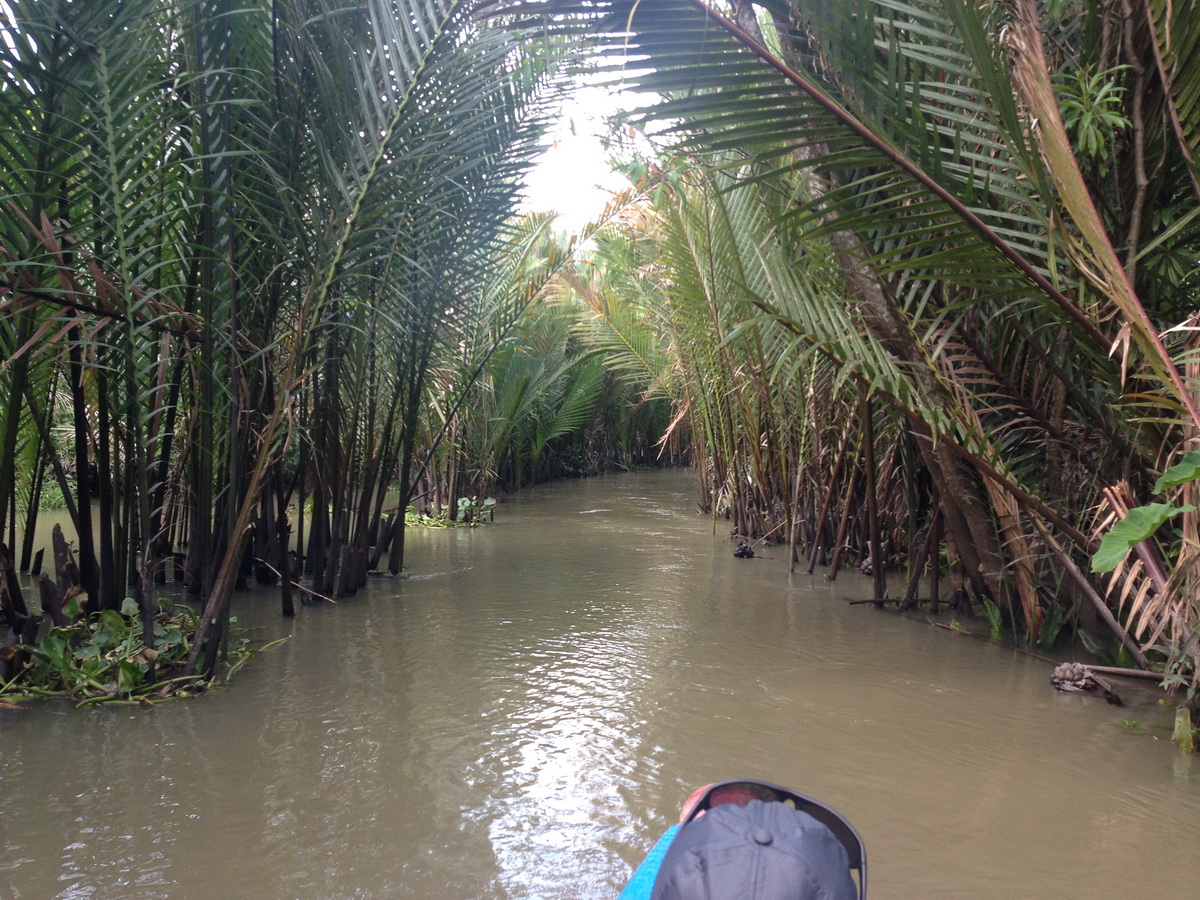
(1106, 670)
(1126, 672)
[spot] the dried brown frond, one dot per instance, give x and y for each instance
(1161, 609)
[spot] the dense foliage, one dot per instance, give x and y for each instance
(925, 277)
(236, 237)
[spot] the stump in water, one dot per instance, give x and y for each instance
(53, 601)
(66, 570)
(17, 626)
(1184, 735)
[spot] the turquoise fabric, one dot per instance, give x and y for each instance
(642, 882)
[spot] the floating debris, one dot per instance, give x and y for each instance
(1076, 678)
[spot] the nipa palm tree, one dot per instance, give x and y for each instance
(214, 210)
(987, 180)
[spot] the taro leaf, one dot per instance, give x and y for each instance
(129, 607)
(1138, 525)
(87, 651)
(54, 649)
(1187, 469)
(129, 675)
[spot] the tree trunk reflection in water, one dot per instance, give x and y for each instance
(524, 716)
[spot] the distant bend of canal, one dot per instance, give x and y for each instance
(523, 716)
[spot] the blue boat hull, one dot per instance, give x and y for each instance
(642, 882)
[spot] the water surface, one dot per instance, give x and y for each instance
(524, 716)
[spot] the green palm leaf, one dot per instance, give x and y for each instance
(1176, 30)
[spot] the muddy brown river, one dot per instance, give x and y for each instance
(524, 716)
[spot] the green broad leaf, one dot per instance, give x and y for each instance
(128, 675)
(1139, 525)
(1187, 469)
(53, 649)
(129, 607)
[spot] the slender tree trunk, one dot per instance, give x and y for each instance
(935, 563)
(819, 528)
(108, 583)
(18, 376)
(835, 560)
(877, 574)
(35, 500)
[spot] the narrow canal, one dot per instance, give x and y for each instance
(524, 716)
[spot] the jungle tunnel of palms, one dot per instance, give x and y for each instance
(908, 280)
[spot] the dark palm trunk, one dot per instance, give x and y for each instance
(108, 594)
